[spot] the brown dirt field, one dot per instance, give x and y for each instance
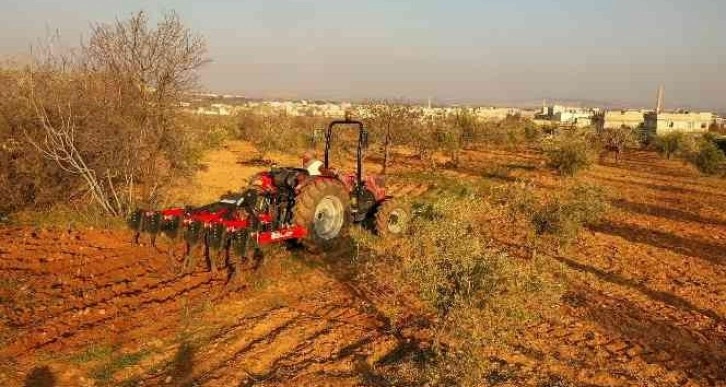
(646, 303)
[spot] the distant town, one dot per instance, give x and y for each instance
(656, 121)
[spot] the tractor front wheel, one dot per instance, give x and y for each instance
(392, 218)
(323, 208)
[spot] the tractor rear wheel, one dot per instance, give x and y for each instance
(392, 218)
(323, 208)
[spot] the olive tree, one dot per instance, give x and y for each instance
(669, 144)
(462, 130)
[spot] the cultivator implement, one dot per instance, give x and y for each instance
(234, 227)
(312, 206)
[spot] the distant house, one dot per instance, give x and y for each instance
(528, 114)
(495, 113)
(613, 119)
(568, 116)
(215, 109)
(663, 123)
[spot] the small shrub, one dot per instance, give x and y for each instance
(709, 159)
(564, 214)
(497, 171)
(569, 152)
(517, 199)
(451, 272)
(669, 144)
(532, 132)
(466, 285)
(512, 132)
(561, 215)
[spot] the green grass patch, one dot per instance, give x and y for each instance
(104, 373)
(440, 183)
(65, 217)
(92, 353)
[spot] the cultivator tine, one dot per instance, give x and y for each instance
(239, 245)
(170, 227)
(217, 244)
(152, 225)
(135, 223)
(216, 237)
(152, 239)
(192, 235)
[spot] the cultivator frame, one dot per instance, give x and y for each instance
(234, 225)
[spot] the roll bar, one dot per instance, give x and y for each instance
(362, 143)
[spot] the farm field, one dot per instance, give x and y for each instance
(645, 299)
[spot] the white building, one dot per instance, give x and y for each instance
(569, 116)
(215, 109)
(494, 113)
(613, 119)
(689, 122)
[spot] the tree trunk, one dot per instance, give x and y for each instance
(455, 157)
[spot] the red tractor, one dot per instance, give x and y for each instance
(284, 204)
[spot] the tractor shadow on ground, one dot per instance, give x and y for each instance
(666, 188)
(40, 376)
(182, 365)
(491, 171)
(711, 252)
(674, 347)
(652, 173)
(339, 263)
(663, 212)
(178, 371)
(651, 186)
(649, 162)
(656, 295)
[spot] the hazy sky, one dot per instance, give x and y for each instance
(492, 51)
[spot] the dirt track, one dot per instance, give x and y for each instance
(646, 305)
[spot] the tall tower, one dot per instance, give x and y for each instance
(659, 101)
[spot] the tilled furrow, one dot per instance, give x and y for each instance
(104, 296)
(262, 364)
(230, 332)
(69, 325)
(259, 336)
(335, 349)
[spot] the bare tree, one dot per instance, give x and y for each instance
(108, 111)
(390, 121)
(156, 66)
(424, 138)
(616, 140)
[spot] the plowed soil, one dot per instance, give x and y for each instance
(646, 304)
